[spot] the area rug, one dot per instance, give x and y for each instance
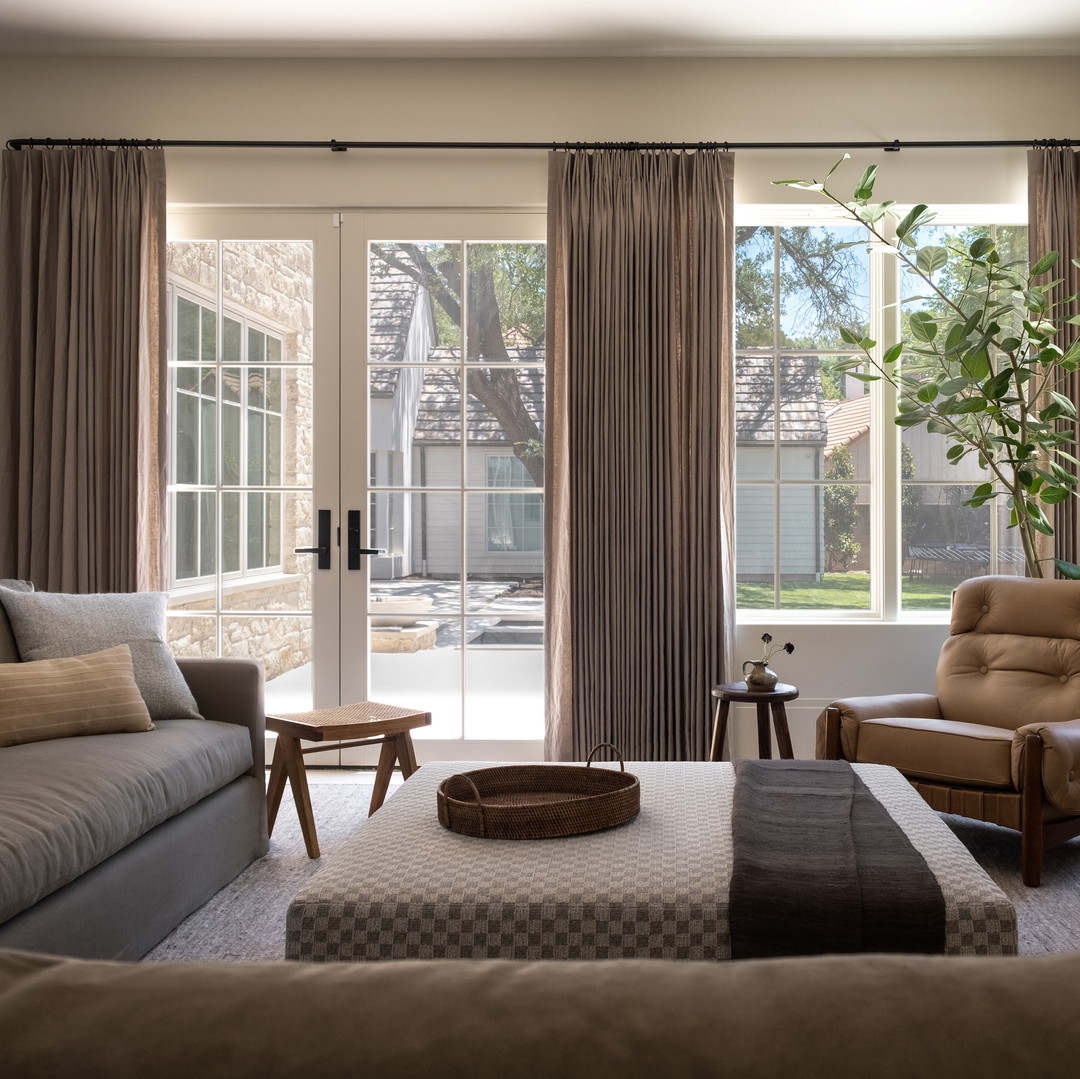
(245, 921)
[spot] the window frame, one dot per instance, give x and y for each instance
(883, 479)
(179, 288)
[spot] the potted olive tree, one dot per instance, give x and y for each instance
(982, 370)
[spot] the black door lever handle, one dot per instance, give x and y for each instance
(323, 550)
(354, 548)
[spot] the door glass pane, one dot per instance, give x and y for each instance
(455, 464)
(237, 588)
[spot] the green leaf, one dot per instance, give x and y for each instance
(977, 363)
(1035, 300)
(931, 258)
(927, 392)
(1069, 570)
(916, 216)
(962, 406)
(954, 453)
(865, 187)
(837, 165)
(981, 247)
(894, 352)
(849, 337)
(1067, 407)
(996, 387)
(1038, 520)
(1053, 495)
(953, 386)
(1045, 263)
(923, 326)
(910, 419)
(863, 376)
(955, 337)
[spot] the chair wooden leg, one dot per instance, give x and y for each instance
(1031, 802)
(833, 750)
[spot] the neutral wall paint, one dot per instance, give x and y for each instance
(676, 100)
(538, 100)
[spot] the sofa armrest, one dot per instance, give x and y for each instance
(231, 691)
(1060, 761)
(847, 714)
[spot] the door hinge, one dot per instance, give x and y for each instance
(335, 220)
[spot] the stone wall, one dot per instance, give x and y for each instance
(271, 282)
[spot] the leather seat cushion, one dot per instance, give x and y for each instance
(938, 749)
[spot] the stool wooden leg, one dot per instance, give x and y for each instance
(275, 787)
(406, 754)
(294, 769)
(397, 749)
(387, 758)
(764, 735)
(716, 752)
(783, 736)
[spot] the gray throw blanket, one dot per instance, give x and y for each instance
(821, 867)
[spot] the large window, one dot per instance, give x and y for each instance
(227, 433)
(515, 521)
(836, 510)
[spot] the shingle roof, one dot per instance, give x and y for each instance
(848, 421)
(802, 410)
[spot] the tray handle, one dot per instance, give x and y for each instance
(602, 745)
(476, 795)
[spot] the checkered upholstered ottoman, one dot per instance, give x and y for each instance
(405, 887)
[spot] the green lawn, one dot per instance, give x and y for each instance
(845, 591)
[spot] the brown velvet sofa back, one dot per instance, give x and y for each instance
(817, 1018)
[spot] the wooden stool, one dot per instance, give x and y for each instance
(774, 698)
(366, 724)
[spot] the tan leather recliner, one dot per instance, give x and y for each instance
(1000, 741)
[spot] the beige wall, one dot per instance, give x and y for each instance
(538, 100)
(691, 100)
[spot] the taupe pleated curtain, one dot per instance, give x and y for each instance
(82, 368)
(640, 450)
(1054, 225)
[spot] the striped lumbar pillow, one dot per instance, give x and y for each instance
(59, 698)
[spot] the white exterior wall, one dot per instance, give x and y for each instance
(801, 538)
(442, 508)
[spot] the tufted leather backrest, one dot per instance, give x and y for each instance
(1013, 652)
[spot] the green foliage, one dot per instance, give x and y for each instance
(978, 363)
(841, 512)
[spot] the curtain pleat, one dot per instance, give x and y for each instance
(640, 450)
(82, 360)
(1054, 225)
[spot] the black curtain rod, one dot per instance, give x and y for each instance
(340, 146)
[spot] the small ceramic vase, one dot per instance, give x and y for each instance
(760, 678)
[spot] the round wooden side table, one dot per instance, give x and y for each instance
(772, 699)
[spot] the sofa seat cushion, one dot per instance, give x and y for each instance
(68, 804)
(973, 754)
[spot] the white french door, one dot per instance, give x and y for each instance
(349, 383)
(442, 392)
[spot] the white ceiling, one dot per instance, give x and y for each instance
(541, 28)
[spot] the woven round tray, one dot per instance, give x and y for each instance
(538, 801)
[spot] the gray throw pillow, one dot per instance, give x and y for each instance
(51, 625)
(9, 651)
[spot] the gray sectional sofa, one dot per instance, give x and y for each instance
(110, 840)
